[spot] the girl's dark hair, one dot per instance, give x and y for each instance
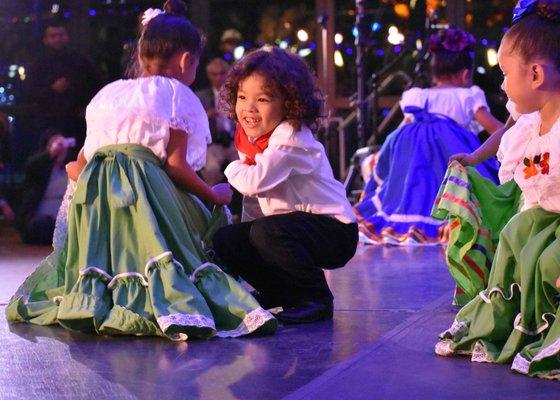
(537, 35)
(285, 73)
(168, 33)
(452, 51)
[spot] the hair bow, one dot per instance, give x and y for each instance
(150, 14)
(523, 8)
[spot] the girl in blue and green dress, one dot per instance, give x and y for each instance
(516, 318)
(137, 257)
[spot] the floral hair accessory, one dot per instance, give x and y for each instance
(523, 8)
(150, 14)
(454, 40)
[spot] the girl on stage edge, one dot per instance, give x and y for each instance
(516, 318)
(306, 222)
(137, 256)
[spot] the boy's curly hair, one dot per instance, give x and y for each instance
(284, 72)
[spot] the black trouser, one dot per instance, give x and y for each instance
(281, 256)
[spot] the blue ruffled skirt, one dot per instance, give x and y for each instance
(396, 204)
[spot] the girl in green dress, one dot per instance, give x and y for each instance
(137, 257)
(515, 319)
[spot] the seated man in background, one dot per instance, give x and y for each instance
(44, 187)
(221, 151)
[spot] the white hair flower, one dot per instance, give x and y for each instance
(149, 14)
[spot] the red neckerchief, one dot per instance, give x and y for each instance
(248, 148)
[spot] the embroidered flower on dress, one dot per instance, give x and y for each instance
(150, 14)
(532, 165)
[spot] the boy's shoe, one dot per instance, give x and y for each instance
(264, 301)
(306, 312)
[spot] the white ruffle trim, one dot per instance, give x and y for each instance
(181, 124)
(104, 274)
(123, 275)
(206, 265)
(517, 325)
(252, 321)
(153, 260)
(486, 297)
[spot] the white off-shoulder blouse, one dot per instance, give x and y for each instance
(533, 161)
(459, 104)
(142, 111)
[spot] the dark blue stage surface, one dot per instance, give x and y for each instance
(390, 304)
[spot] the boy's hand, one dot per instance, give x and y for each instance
(222, 193)
(73, 170)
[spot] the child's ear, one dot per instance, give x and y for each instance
(466, 76)
(538, 75)
(185, 61)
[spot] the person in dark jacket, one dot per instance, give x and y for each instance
(60, 84)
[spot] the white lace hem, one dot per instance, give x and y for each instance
(185, 320)
(455, 328)
(520, 364)
(61, 224)
(443, 348)
(548, 351)
(479, 354)
(252, 321)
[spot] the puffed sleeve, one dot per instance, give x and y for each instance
(413, 97)
(513, 145)
(476, 100)
(189, 116)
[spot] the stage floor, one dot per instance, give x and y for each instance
(390, 304)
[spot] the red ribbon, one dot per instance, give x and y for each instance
(248, 148)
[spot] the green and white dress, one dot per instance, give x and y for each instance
(516, 318)
(136, 257)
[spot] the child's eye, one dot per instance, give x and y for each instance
(240, 97)
(263, 100)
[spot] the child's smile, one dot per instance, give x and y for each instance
(257, 108)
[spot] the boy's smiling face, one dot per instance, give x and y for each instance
(258, 110)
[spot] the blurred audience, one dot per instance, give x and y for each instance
(221, 151)
(44, 187)
(6, 210)
(61, 82)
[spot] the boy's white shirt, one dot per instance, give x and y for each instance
(292, 174)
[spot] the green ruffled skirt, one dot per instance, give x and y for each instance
(515, 319)
(477, 210)
(137, 260)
